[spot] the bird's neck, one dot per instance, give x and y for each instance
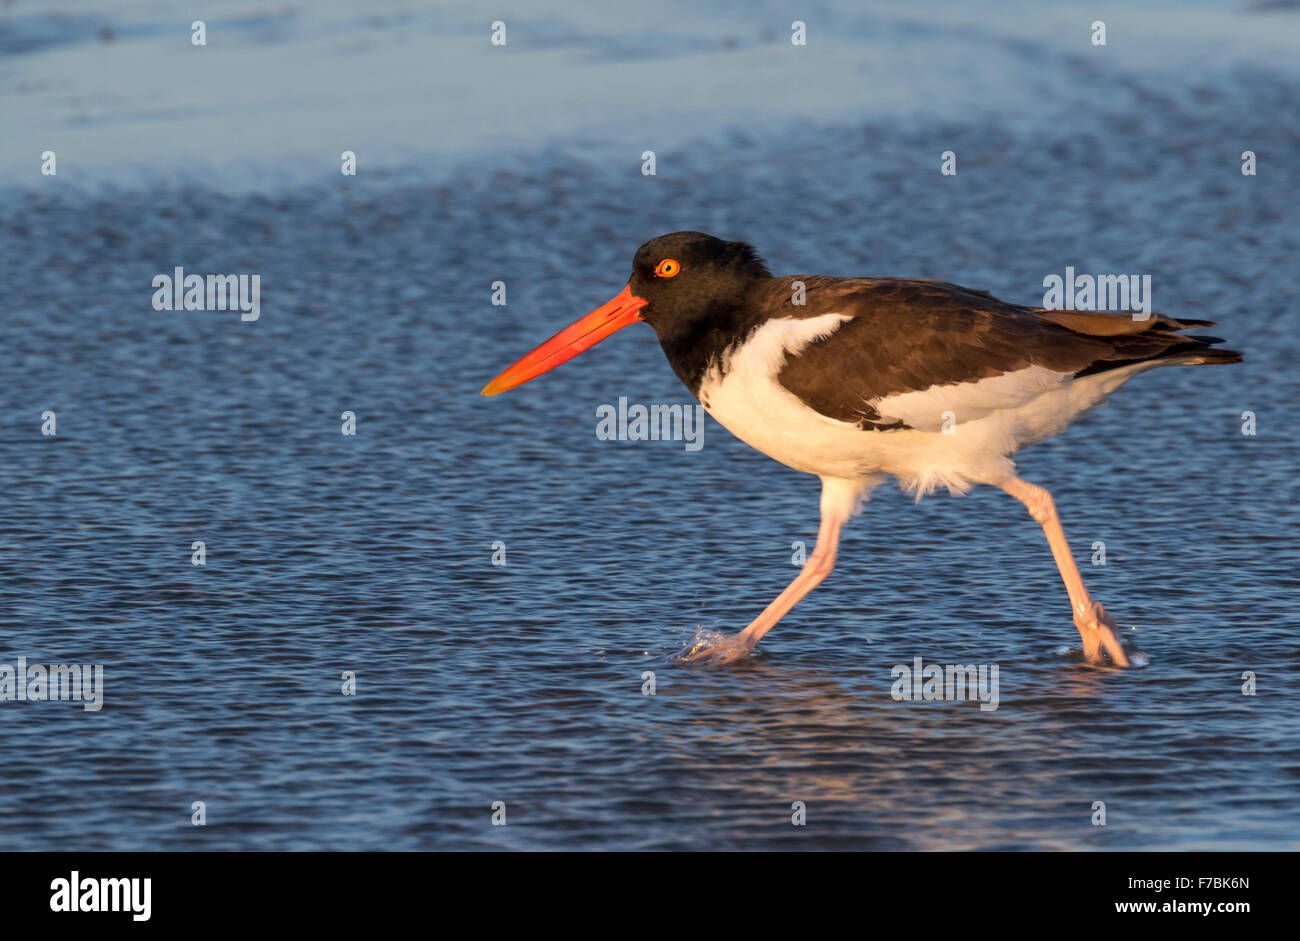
(696, 344)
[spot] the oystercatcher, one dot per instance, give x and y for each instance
(857, 379)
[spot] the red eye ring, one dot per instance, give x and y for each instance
(668, 268)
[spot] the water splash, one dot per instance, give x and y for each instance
(704, 640)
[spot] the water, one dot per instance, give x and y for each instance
(522, 683)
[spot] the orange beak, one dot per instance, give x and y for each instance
(572, 340)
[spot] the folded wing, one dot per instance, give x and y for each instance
(914, 349)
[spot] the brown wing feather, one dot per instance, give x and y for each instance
(908, 335)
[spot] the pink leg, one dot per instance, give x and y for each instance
(818, 565)
(1096, 627)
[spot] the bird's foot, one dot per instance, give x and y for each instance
(1099, 632)
(716, 651)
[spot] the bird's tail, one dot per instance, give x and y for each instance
(1156, 340)
(1204, 356)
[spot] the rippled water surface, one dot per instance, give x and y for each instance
(522, 682)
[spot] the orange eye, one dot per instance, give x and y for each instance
(668, 268)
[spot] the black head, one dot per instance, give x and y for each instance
(690, 280)
(689, 286)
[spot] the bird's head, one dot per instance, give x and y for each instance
(685, 277)
(678, 280)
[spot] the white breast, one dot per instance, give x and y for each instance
(743, 394)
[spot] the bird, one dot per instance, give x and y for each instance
(857, 380)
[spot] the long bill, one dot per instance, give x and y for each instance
(608, 318)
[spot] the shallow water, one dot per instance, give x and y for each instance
(522, 682)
